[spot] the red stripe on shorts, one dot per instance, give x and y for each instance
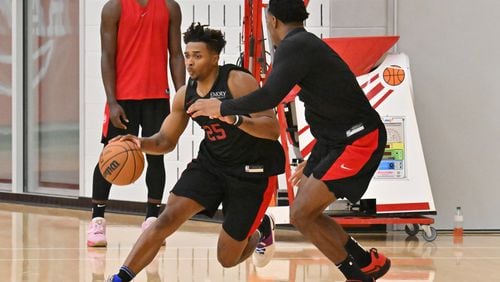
(105, 122)
(268, 195)
(354, 157)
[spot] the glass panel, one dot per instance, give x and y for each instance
(5, 94)
(53, 95)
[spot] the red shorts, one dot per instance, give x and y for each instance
(348, 168)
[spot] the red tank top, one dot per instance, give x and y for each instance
(142, 51)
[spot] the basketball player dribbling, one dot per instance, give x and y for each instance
(350, 134)
(236, 158)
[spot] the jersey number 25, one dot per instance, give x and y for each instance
(215, 132)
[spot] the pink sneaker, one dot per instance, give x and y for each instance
(148, 223)
(96, 233)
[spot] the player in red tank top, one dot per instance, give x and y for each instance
(138, 39)
(141, 60)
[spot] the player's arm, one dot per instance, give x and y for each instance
(166, 139)
(261, 124)
(290, 66)
(176, 58)
(110, 18)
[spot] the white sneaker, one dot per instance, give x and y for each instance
(148, 223)
(265, 248)
(96, 233)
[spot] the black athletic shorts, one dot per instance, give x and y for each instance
(347, 168)
(148, 114)
(244, 200)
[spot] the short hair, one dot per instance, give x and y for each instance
(288, 11)
(200, 33)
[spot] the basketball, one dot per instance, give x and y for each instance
(121, 162)
(394, 75)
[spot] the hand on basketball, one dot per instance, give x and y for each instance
(121, 162)
(297, 174)
(205, 107)
(128, 137)
(116, 115)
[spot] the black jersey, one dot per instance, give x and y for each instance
(335, 105)
(227, 147)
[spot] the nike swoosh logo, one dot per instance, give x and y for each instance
(100, 206)
(375, 268)
(342, 166)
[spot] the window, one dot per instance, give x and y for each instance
(51, 96)
(5, 95)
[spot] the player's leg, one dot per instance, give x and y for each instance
(153, 112)
(366, 151)
(231, 252)
(307, 216)
(371, 261)
(351, 246)
(177, 211)
(96, 232)
(307, 212)
(344, 172)
(196, 191)
(155, 182)
(244, 207)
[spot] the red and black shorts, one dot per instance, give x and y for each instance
(347, 168)
(244, 200)
(148, 114)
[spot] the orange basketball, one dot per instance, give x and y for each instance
(394, 75)
(121, 162)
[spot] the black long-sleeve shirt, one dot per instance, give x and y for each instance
(334, 101)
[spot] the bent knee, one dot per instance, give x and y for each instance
(165, 218)
(295, 217)
(299, 218)
(226, 261)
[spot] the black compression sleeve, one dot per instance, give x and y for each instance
(257, 101)
(289, 67)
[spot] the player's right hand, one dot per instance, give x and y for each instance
(128, 137)
(117, 115)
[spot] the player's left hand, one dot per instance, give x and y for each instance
(205, 107)
(228, 119)
(296, 177)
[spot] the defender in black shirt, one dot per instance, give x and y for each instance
(236, 159)
(350, 134)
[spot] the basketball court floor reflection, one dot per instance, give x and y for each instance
(48, 244)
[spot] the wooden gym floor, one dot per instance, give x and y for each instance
(49, 244)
